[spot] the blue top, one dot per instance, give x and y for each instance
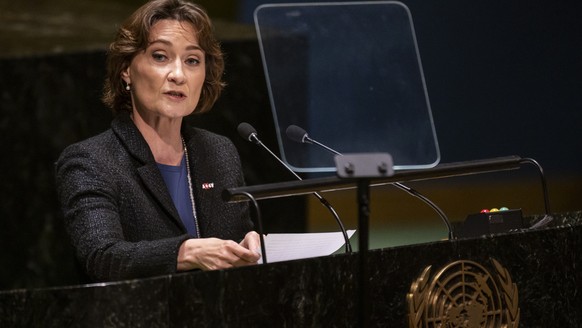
(176, 178)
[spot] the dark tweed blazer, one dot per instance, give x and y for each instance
(118, 212)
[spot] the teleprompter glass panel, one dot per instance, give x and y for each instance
(350, 75)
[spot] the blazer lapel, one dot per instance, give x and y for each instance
(136, 145)
(152, 179)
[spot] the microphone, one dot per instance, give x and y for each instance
(248, 132)
(299, 134)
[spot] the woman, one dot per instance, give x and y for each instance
(143, 198)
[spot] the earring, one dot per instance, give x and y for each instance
(128, 87)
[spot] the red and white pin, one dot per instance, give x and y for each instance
(208, 185)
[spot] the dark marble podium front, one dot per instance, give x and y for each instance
(319, 292)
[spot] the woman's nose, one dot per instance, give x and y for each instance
(176, 73)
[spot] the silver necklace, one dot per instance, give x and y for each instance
(190, 189)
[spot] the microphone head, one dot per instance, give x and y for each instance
(296, 133)
(247, 132)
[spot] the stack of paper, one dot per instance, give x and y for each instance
(295, 246)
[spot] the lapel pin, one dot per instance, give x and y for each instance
(208, 185)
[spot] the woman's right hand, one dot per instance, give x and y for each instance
(214, 254)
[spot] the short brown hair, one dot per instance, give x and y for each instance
(133, 37)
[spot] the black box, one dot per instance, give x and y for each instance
(491, 223)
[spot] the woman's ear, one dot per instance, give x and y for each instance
(125, 75)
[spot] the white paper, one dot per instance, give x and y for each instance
(295, 246)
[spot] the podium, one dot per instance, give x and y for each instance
(527, 278)
(543, 265)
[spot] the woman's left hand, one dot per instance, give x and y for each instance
(252, 242)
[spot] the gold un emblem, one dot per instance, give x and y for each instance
(463, 294)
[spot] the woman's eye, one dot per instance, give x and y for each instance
(158, 57)
(192, 61)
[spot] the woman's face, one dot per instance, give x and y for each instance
(166, 79)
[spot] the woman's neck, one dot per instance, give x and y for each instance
(163, 137)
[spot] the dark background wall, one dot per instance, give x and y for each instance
(503, 78)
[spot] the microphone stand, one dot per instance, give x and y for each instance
(321, 199)
(363, 167)
(306, 139)
(249, 133)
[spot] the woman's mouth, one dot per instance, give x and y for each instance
(175, 95)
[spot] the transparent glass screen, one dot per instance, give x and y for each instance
(350, 75)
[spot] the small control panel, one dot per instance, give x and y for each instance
(491, 221)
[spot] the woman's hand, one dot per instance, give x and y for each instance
(214, 253)
(252, 242)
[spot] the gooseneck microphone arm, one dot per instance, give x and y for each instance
(260, 225)
(248, 132)
(298, 134)
(548, 218)
(543, 181)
